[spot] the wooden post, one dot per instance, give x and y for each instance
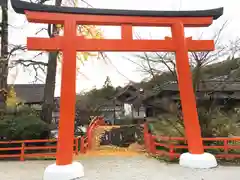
(22, 151)
(225, 146)
(68, 95)
(171, 151)
(146, 137)
(152, 144)
(76, 145)
(82, 145)
(189, 110)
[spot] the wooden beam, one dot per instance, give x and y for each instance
(44, 44)
(59, 18)
(52, 44)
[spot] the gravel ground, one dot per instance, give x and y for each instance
(119, 168)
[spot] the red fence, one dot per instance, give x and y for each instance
(170, 147)
(32, 148)
(173, 147)
(47, 147)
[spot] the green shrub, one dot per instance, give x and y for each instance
(22, 126)
(218, 123)
(166, 125)
(215, 123)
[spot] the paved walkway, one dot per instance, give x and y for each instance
(138, 167)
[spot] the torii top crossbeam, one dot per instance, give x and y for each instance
(125, 18)
(70, 43)
(22, 6)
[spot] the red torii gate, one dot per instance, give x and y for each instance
(70, 43)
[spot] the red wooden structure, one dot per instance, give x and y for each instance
(227, 148)
(70, 43)
(31, 149)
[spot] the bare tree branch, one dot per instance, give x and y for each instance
(85, 2)
(28, 63)
(40, 30)
(204, 58)
(16, 48)
(37, 66)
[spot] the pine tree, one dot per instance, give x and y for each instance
(107, 82)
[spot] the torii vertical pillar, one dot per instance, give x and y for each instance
(70, 43)
(196, 158)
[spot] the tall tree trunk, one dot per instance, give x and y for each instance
(4, 58)
(48, 100)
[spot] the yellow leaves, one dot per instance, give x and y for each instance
(12, 99)
(75, 3)
(85, 55)
(59, 26)
(88, 32)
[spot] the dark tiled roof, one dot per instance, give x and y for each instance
(3, 3)
(208, 86)
(126, 89)
(30, 93)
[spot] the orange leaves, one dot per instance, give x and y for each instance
(90, 31)
(87, 31)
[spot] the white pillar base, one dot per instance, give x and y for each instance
(74, 171)
(198, 161)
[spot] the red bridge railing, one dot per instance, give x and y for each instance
(98, 121)
(32, 148)
(172, 147)
(46, 147)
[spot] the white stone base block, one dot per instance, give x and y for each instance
(198, 161)
(74, 171)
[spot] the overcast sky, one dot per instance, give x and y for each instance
(95, 71)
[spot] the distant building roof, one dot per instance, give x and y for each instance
(209, 85)
(218, 84)
(3, 3)
(29, 93)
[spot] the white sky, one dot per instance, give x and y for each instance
(97, 70)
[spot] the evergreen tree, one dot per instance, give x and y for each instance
(107, 83)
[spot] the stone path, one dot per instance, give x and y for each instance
(137, 167)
